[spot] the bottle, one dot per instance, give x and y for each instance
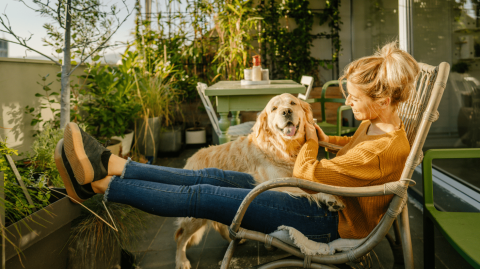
(257, 68)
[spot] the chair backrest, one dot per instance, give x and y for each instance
(201, 87)
(420, 110)
(306, 81)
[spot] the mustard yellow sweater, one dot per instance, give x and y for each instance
(364, 160)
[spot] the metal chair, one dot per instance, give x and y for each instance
(459, 228)
(417, 114)
(235, 131)
(333, 129)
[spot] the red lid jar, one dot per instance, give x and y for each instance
(256, 60)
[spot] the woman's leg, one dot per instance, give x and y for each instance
(91, 162)
(268, 211)
(176, 176)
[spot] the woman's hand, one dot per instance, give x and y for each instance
(313, 131)
(321, 135)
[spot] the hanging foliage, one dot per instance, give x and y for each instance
(288, 49)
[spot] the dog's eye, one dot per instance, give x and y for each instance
(292, 103)
(274, 108)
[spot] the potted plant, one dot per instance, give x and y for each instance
(95, 245)
(110, 106)
(38, 230)
(196, 135)
(157, 97)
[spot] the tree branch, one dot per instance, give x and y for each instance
(20, 41)
(102, 45)
(34, 50)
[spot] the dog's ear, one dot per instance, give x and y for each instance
(308, 110)
(261, 123)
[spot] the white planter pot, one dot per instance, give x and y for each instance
(115, 146)
(195, 135)
(126, 142)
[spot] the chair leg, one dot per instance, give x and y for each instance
(406, 238)
(229, 253)
(428, 242)
(396, 244)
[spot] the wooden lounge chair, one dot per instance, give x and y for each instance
(417, 114)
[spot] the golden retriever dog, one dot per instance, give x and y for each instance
(269, 152)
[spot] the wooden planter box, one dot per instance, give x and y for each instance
(42, 237)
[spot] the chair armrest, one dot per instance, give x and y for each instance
(339, 117)
(432, 154)
(331, 147)
(378, 190)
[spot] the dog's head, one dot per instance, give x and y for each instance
(282, 123)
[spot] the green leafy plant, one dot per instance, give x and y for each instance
(16, 204)
(288, 49)
(233, 27)
(41, 160)
(154, 86)
(111, 105)
(49, 100)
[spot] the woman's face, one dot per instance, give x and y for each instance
(362, 105)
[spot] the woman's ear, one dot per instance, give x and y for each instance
(384, 102)
(308, 111)
(261, 123)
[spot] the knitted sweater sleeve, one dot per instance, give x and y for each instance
(339, 140)
(356, 168)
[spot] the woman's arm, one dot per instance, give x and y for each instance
(357, 168)
(339, 140)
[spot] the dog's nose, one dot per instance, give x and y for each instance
(287, 112)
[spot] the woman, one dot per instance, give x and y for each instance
(374, 155)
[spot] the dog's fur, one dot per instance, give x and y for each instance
(267, 153)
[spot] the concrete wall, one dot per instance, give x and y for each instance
(18, 85)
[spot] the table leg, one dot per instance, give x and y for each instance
(235, 119)
(224, 124)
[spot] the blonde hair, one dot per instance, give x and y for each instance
(390, 72)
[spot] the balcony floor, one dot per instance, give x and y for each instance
(156, 247)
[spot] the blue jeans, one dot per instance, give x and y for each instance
(216, 195)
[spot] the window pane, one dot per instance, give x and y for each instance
(374, 24)
(449, 31)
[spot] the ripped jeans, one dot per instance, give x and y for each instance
(216, 195)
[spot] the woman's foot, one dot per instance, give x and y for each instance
(101, 185)
(78, 192)
(90, 160)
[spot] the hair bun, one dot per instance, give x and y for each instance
(390, 72)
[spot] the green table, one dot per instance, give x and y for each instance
(231, 96)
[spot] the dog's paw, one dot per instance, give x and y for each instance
(334, 204)
(185, 264)
(242, 241)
